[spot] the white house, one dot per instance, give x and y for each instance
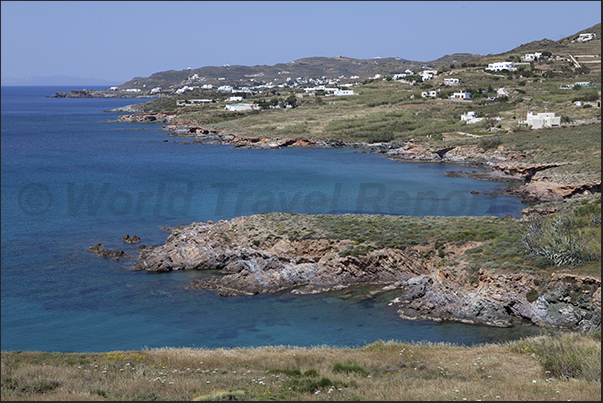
(428, 74)
(470, 118)
(540, 120)
(133, 90)
(240, 107)
(234, 99)
(156, 90)
(461, 95)
(183, 89)
(528, 57)
(113, 88)
(501, 66)
(184, 102)
(431, 94)
(344, 92)
(451, 81)
(225, 88)
(207, 86)
(586, 37)
(502, 91)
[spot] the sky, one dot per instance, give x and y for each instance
(120, 40)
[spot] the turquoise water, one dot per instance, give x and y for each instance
(72, 177)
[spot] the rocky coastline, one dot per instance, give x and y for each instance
(504, 165)
(425, 288)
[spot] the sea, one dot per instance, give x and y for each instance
(72, 177)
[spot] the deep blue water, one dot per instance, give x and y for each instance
(73, 177)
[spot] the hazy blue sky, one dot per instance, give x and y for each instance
(118, 40)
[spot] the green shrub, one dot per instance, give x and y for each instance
(339, 367)
(532, 295)
(311, 373)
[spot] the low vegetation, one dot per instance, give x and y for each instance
(547, 367)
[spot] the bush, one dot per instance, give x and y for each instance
(560, 240)
(563, 356)
(489, 143)
(339, 367)
(532, 295)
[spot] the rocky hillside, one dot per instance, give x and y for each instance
(311, 67)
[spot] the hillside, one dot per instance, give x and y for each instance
(306, 68)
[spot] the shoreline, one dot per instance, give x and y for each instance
(505, 165)
(269, 253)
(312, 265)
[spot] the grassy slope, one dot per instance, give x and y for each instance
(565, 367)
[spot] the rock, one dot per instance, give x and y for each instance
(537, 192)
(108, 253)
(131, 239)
(434, 296)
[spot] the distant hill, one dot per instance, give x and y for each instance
(550, 45)
(311, 67)
(55, 80)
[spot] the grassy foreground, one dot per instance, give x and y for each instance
(548, 367)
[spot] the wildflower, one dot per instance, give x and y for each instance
(207, 382)
(534, 381)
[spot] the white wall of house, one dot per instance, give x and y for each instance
(239, 107)
(461, 95)
(451, 81)
(541, 120)
(501, 66)
(586, 37)
(431, 94)
(528, 57)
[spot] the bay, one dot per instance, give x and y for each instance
(73, 177)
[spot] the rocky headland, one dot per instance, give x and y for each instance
(249, 263)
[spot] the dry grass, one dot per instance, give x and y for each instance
(393, 371)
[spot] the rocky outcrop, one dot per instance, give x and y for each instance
(428, 289)
(147, 118)
(131, 239)
(108, 253)
(306, 266)
(505, 173)
(567, 301)
(538, 192)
